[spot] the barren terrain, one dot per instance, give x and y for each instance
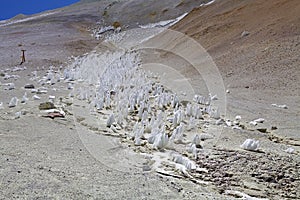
(253, 44)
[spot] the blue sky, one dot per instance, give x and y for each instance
(10, 8)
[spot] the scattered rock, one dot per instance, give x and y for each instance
(205, 136)
(116, 24)
(245, 33)
(46, 106)
(146, 168)
(262, 130)
(53, 115)
(259, 120)
(11, 86)
(29, 86)
(274, 128)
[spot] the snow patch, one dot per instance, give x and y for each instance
(164, 24)
(27, 19)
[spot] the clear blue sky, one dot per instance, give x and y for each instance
(10, 8)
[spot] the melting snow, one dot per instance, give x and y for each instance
(9, 22)
(164, 24)
(208, 3)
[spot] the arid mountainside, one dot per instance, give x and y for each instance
(55, 35)
(269, 46)
(256, 46)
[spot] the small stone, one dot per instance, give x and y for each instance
(53, 115)
(245, 33)
(29, 86)
(274, 128)
(262, 130)
(11, 86)
(268, 178)
(46, 106)
(146, 168)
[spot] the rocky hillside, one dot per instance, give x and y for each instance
(254, 40)
(55, 35)
(255, 44)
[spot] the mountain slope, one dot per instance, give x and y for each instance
(260, 67)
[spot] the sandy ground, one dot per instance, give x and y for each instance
(43, 158)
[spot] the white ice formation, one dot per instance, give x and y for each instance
(146, 113)
(36, 97)
(1, 105)
(164, 24)
(250, 144)
(24, 98)
(290, 150)
(11, 86)
(110, 120)
(186, 162)
(13, 102)
(280, 106)
(256, 121)
(259, 120)
(238, 118)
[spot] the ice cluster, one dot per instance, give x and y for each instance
(250, 144)
(138, 104)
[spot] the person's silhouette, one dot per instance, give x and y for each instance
(23, 57)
